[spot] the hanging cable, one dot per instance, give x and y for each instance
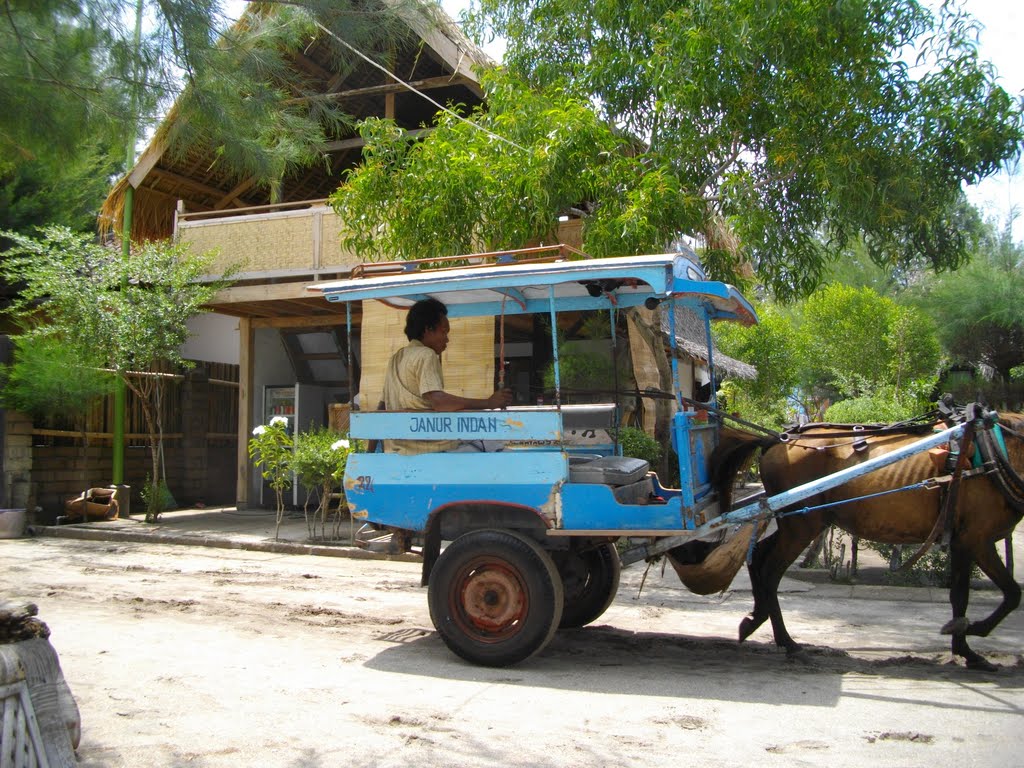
(402, 82)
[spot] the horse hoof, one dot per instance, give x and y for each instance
(957, 626)
(980, 664)
(746, 629)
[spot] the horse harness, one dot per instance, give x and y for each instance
(982, 444)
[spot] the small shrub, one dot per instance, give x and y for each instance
(270, 448)
(638, 444)
(319, 464)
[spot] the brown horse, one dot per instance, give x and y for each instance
(983, 511)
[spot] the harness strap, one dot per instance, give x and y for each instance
(944, 520)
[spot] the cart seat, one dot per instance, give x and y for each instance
(608, 470)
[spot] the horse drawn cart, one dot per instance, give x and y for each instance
(521, 541)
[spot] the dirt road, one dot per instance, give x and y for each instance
(182, 656)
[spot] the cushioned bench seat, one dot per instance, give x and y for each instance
(608, 470)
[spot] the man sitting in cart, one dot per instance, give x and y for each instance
(414, 380)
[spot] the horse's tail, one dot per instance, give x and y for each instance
(706, 567)
(734, 454)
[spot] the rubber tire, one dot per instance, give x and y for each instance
(521, 573)
(590, 580)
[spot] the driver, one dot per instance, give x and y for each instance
(414, 380)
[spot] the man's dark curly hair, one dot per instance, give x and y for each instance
(423, 315)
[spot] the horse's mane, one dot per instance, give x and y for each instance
(1013, 420)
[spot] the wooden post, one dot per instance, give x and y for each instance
(245, 385)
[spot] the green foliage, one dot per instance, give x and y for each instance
(64, 191)
(799, 124)
(638, 444)
(978, 308)
(72, 74)
(883, 405)
(46, 372)
(855, 340)
(131, 311)
(933, 569)
(120, 312)
(320, 457)
(771, 347)
(879, 358)
(319, 463)
(462, 189)
(271, 450)
(59, 85)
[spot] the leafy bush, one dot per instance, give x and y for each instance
(883, 405)
(638, 444)
(270, 448)
(319, 464)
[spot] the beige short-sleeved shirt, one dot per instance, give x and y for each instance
(413, 371)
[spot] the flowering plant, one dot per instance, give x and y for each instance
(270, 449)
(320, 458)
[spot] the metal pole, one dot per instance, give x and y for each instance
(120, 393)
(554, 347)
(766, 506)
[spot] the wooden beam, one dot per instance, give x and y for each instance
(324, 322)
(232, 196)
(269, 292)
(389, 106)
(187, 182)
(150, 157)
(245, 387)
(334, 146)
(426, 84)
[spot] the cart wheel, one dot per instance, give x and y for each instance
(495, 597)
(590, 578)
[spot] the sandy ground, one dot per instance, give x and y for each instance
(182, 656)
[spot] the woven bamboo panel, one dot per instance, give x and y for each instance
(333, 253)
(468, 362)
(268, 244)
(338, 417)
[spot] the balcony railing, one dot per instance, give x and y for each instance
(269, 241)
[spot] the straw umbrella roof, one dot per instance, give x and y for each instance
(437, 59)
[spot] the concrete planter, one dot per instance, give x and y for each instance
(12, 523)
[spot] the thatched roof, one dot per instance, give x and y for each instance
(437, 58)
(690, 338)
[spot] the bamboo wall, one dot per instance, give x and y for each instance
(468, 362)
(305, 239)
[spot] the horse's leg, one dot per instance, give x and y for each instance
(760, 612)
(992, 566)
(961, 562)
(766, 571)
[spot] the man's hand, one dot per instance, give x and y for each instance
(444, 401)
(501, 398)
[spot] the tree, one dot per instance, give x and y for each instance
(71, 72)
(128, 313)
(496, 181)
(44, 372)
(800, 125)
(878, 358)
(978, 309)
(771, 347)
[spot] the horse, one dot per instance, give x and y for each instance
(983, 508)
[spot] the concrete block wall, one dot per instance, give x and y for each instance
(17, 460)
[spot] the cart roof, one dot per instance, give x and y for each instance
(576, 282)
